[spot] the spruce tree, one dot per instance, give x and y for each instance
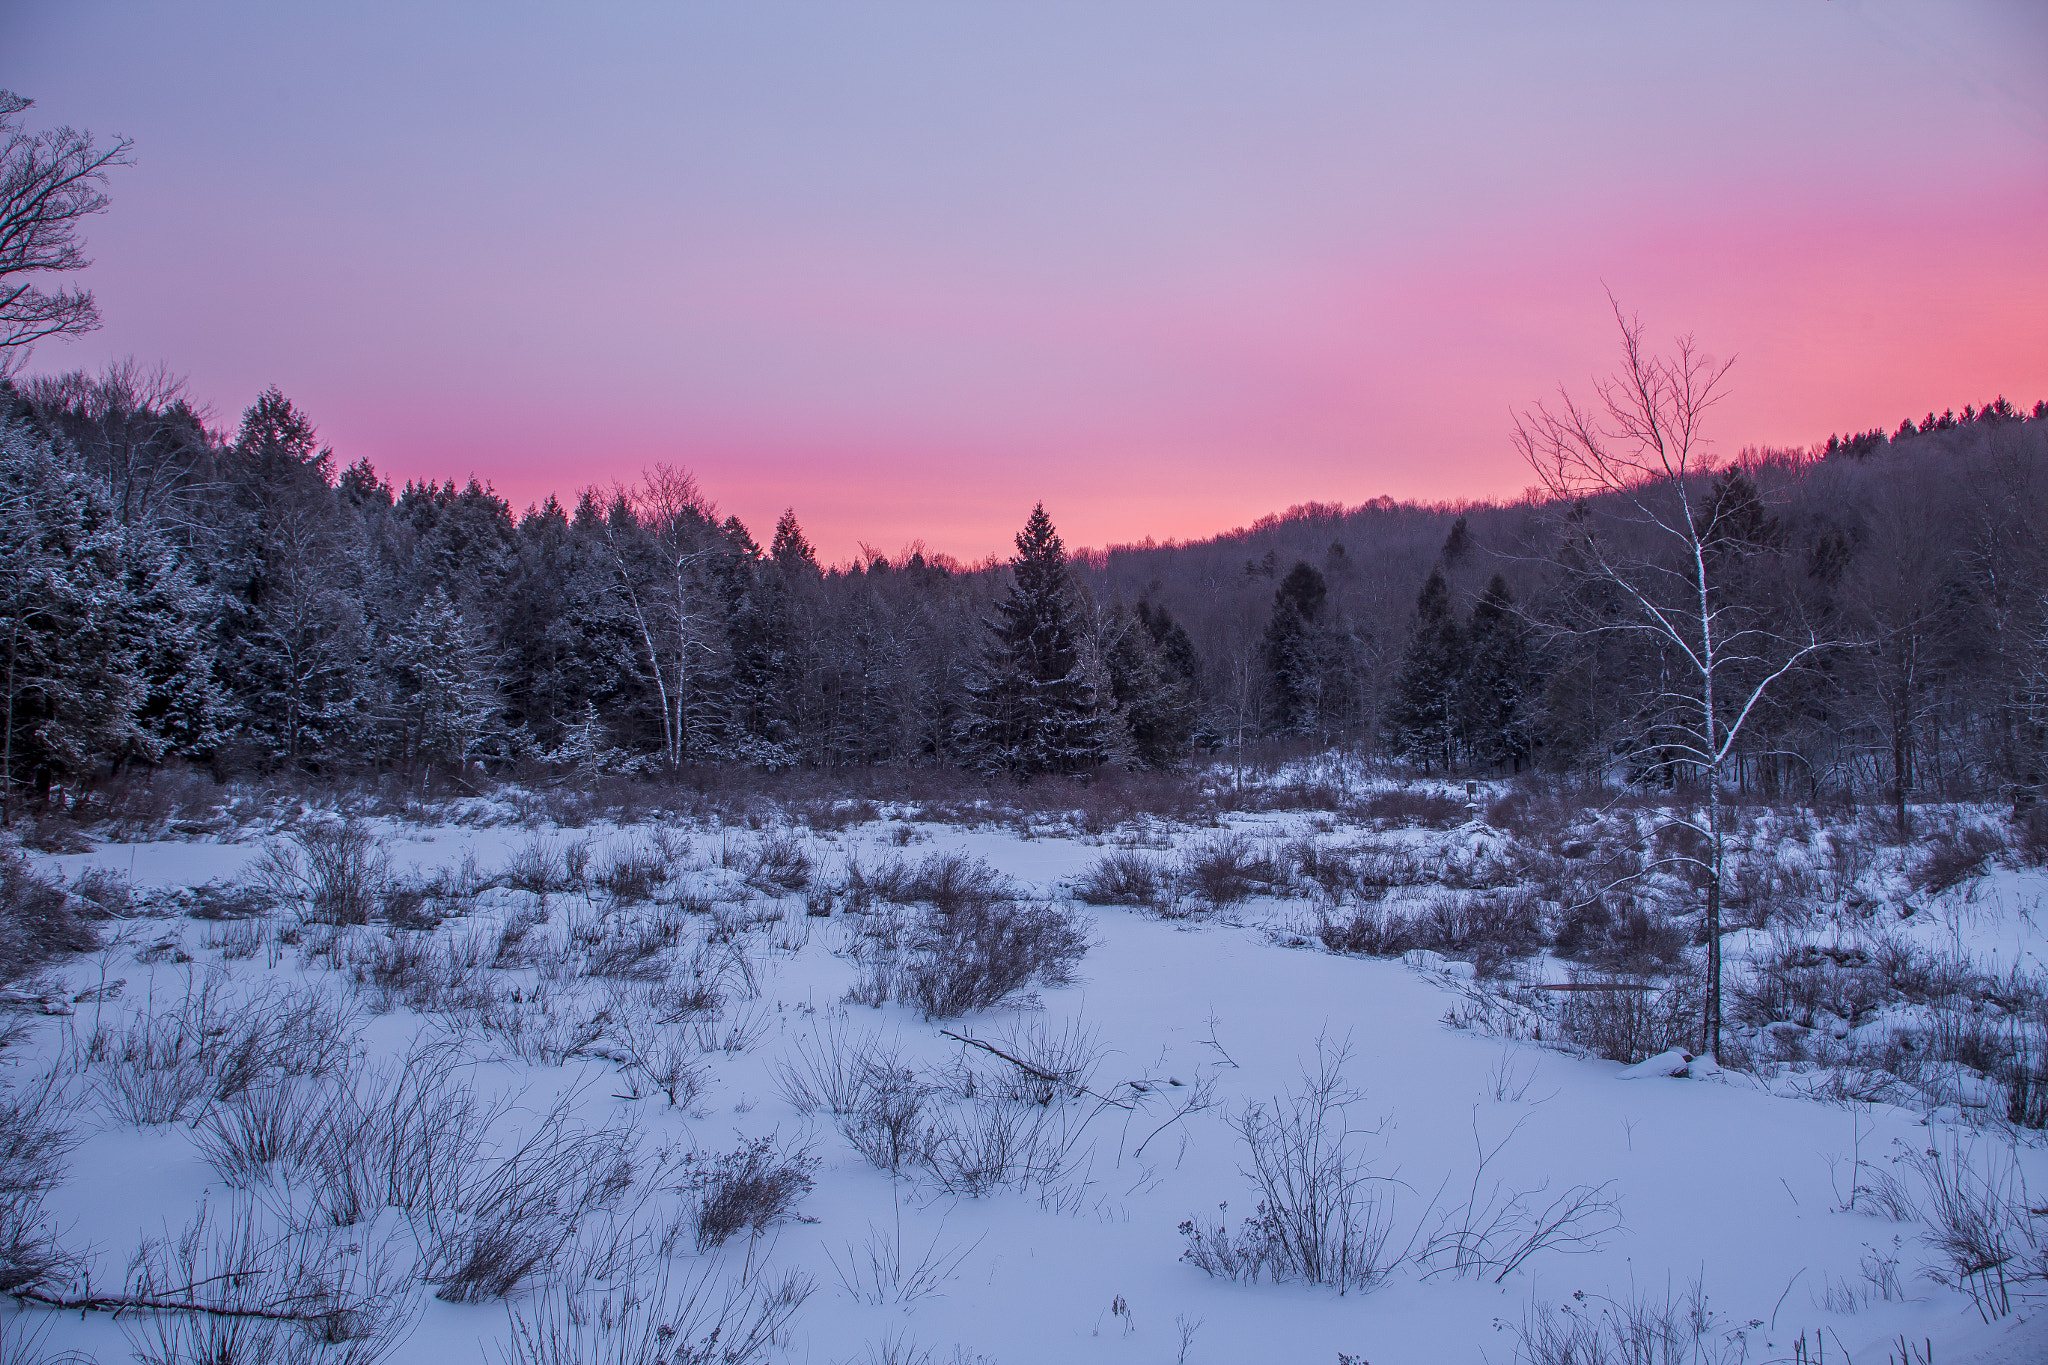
(1499, 681)
(1034, 706)
(1423, 719)
(1154, 700)
(1295, 650)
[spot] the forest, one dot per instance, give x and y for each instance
(246, 602)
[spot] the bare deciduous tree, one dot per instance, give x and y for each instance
(48, 181)
(1667, 551)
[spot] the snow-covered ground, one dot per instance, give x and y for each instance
(1730, 1184)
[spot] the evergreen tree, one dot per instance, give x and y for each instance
(1295, 650)
(443, 687)
(72, 674)
(1499, 681)
(1423, 719)
(1034, 708)
(790, 551)
(1153, 699)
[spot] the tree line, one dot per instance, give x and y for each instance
(242, 601)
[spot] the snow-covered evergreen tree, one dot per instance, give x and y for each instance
(443, 688)
(69, 663)
(1035, 706)
(1423, 720)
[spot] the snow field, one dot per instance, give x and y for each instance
(1724, 1184)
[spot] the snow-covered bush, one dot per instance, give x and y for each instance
(38, 920)
(981, 954)
(1124, 877)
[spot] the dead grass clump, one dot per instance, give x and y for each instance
(1371, 930)
(749, 1189)
(982, 954)
(1955, 855)
(780, 864)
(1631, 1018)
(1124, 877)
(1414, 808)
(38, 919)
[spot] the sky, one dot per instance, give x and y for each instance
(1163, 265)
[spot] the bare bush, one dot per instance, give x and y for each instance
(666, 1317)
(889, 880)
(1983, 1225)
(987, 1145)
(1124, 877)
(38, 919)
(889, 1124)
(632, 875)
(780, 864)
(981, 954)
(162, 1066)
(34, 1140)
(1324, 1215)
(536, 867)
(950, 882)
(1955, 855)
(1629, 1019)
(334, 869)
(1374, 930)
(1497, 1232)
(511, 1219)
(1224, 870)
(749, 1189)
(828, 1068)
(227, 1288)
(1639, 1330)
(887, 1270)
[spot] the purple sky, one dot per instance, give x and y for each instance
(1166, 266)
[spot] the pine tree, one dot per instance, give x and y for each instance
(1423, 719)
(1034, 708)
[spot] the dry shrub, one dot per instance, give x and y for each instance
(954, 881)
(333, 868)
(1955, 855)
(1124, 877)
(1324, 1214)
(749, 1189)
(981, 954)
(780, 864)
(1225, 870)
(1632, 938)
(1414, 808)
(38, 919)
(1634, 1020)
(654, 1314)
(1372, 930)
(34, 1140)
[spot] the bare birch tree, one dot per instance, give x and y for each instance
(1635, 461)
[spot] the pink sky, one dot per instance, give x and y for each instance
(1165, 266)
